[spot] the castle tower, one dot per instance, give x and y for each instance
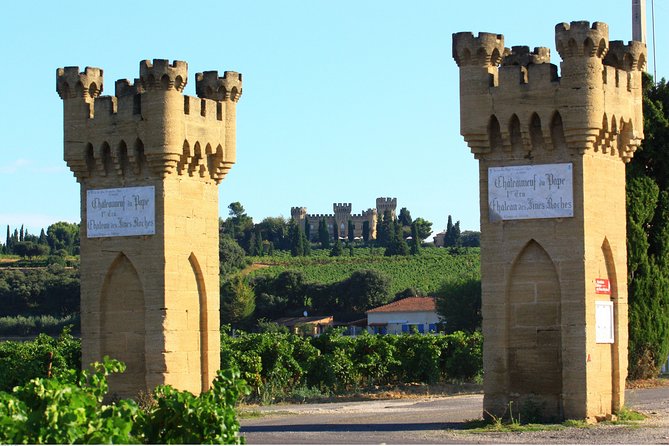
(342, 214)
(149, 161)
(386, 204)
(552, 153)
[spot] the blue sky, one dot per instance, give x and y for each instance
(343, 101)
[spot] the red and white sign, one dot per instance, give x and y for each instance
(602, 286)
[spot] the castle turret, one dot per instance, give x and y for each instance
(386, 204)
(149, 161)
(552, 153)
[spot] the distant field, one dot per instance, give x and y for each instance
(427, 272)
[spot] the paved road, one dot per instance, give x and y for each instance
(435, 420)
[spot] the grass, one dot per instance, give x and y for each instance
(625, 417)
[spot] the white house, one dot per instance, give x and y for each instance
(404, 316)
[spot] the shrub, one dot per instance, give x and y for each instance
(69, 410)
(22, 361)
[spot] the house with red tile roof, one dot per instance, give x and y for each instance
(404, 316)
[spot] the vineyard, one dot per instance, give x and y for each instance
(428, 272)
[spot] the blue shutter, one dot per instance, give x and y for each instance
(432, 327)
(421, 328)
(405, 328)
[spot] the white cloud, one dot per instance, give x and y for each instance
(15, 165)
(26, 165)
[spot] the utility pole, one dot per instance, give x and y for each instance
(639, 20)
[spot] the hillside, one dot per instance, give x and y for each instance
(427, 272)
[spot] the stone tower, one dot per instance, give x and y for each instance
(149, 161)
(552, 153)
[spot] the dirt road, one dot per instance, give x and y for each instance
(438, 420)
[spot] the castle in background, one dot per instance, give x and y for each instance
(342, 215)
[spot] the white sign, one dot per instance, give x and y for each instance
(536, 191)
(604, 322)
(121, 212)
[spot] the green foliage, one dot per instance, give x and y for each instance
(423, 228)
(470, 239)
(365, 289)
(232, 256)
(396, 245)
(428, 272)
(69, 409)
(179, 417)
(33, 325)
(648, 238)
(323, 234)
(238, 301)
(64, 411)
(415, 240)
(276, 364)
(459, 305)
(365, 231)
(23, 361)
(63, 235)
(53, 290)
(30, 249)
(452, 236)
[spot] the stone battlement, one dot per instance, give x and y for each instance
(153, 111)
(598, 92)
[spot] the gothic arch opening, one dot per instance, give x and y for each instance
(616, 372)
(122, 325)
(494, 134)
(514, 132)
(557, 133)
(534, 331)
(536, 135)
(205, 373)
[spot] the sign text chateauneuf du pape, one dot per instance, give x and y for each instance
(533, 191)
(122, 211)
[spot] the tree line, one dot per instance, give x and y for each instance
(60, 239)
(398, 235)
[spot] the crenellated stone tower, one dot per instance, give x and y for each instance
(149, 161)
(552, 153)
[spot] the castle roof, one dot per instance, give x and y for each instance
(408, 304)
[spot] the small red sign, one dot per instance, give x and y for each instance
(602, 286)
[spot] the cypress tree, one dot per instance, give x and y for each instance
(21, 234)
(351, 231)
(415, 240)
(305, 243)
(337, 248)
(323, 234)
(259, 245)
(8, 241)
(253, 247)
(365, 231)
(307, 228)
(648, 237)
